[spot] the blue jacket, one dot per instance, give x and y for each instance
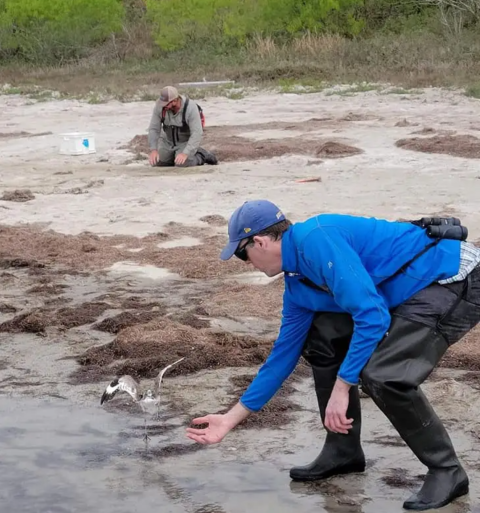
(350, 257)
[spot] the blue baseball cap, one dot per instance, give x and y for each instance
(247, 220)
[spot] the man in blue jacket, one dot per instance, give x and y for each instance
(366, 301)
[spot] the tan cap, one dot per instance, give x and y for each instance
(167, 94)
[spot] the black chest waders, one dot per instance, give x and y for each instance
(420, 332)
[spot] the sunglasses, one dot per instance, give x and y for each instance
(241, 253)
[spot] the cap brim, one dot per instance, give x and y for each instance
(229, 250)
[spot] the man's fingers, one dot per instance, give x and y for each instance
(197, 438)
(201, 420)
(329, 423)
(337, 423)
(196, 431)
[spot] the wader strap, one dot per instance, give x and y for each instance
(410, 262)
(174, 129)
(309, 283)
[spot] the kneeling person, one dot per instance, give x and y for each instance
(175, 132)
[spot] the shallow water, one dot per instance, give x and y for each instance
(59, 457)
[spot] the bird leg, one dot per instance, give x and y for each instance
(146, 438)
(157, 416)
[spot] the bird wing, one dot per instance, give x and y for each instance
(158, 381)
(124, 384)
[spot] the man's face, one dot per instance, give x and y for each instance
(173, 105)
(264, 253)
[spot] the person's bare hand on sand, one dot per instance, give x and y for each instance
(154, 157)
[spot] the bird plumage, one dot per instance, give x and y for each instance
(149, 401)
(127, 384)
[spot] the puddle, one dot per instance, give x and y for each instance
(143, 271)
(62, 457)
(183, 242)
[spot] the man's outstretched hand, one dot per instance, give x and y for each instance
(219, 425)
(214, 433)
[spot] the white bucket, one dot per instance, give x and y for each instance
(77, 143)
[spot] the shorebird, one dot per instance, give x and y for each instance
(149, 400)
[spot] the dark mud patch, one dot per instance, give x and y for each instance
(48, 289)
(424, 131)
(470, 378)
(27, 246)
(125, 320)
(214, 220)
(333, 149)
(398, 478)
(388, 441)
(466, 146)
(234, 148)
(190, 319)
(143, 350)
(31, 322)
(7, 308)
(276, 413)
(18, 263)
(38, 320)
(86, 313)
(152, 429)
(464, 354)
(326, 487)
(138, 431)
(210, 508)
(18, 195)
(7, 278)
(217, 134)
(167, 451)
(430, 131)
(141, 303)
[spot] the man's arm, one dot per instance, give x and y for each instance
(154, 129)
(192, 118)
(279, 365)
(327, 257)
(283, 358)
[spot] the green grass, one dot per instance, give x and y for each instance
(405, 61)
(352, 90)
(473, 91)
(401, 90)
(300, 86)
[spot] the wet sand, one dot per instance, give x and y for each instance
(63, 457)
(102, 244)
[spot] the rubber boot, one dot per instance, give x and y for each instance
(341, 454)
(325, 349)
(392, 377)
(446, 479)
(207, 156)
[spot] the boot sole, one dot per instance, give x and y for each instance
(459, 491)
(350, 469)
